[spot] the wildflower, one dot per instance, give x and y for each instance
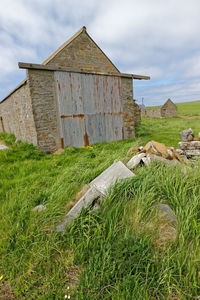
(1, 277)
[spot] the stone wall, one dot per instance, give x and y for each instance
(128, 108)
(137, 113)
(82, 53)
(1, 125)
(152, 113)
(42, 90)
(17, 117)
(169, 111)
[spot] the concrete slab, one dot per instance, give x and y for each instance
(98, 188)
(115, 172)
(84, 202)
(166, 211)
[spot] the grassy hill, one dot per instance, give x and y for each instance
(186, 109)
(117, 252)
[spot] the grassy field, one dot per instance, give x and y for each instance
(186, 109)
(114, 253)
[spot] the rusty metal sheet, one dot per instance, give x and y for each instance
(90, 108)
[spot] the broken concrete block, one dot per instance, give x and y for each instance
(166, 211)
(135, 160)
(3, 147)
(39, 208)
(115, 172)
(193, 145)
(187, 135)
(98, 188)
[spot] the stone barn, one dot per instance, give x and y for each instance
(169, 109)
(76, 97)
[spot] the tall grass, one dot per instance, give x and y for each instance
(116, 247)
(113, 253)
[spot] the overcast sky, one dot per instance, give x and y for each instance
(159, 38)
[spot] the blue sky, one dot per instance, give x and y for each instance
(158, 38)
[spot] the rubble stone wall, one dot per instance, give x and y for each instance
(137, 113)
(128, 108)
(44, 103)
(16, 115)
(152, 113)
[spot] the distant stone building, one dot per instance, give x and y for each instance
(169, 109)
(76, 97)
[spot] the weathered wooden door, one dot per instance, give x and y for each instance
(90, 108)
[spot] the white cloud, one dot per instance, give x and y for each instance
(156, 38)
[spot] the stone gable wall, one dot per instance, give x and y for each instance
(82, 53)
(17, 116)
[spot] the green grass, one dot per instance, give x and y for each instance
(189, 108)
(108, 254)
(166, 130)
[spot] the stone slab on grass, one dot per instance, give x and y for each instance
(193, 145)
(3, 147)
(189, 153)
(107, 178)
(166, 211)
(98, 188)
(91, 195)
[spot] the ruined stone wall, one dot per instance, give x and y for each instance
(152, 113)
(44, 104)
(128, 108)
(137, 113)
(16, 115)
(83, 53)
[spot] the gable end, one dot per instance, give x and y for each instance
(81, 52)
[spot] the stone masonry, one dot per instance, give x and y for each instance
(84, 54)
(31, 110)
(45, 112)
(17, 117)
(128, 107)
